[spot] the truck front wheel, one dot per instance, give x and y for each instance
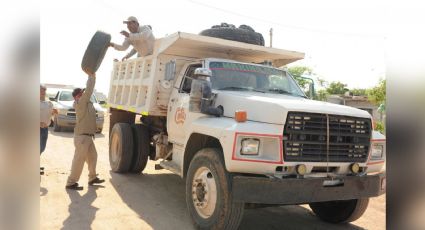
(343, 211)
(208, 194)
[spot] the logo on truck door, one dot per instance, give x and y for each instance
(180, 116)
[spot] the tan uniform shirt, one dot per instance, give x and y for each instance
(85, 111)
(142, 42)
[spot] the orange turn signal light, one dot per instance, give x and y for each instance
(240, 115)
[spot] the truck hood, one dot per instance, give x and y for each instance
(273, 108)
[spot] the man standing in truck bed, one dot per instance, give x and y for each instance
(140, 37)
(83, 136)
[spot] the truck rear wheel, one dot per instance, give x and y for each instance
(208, 194)
(120, 116)
(121, 148)
(343, 211)
(141, 147)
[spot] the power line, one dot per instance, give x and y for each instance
(282, 25)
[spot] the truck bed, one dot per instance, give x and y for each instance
(138, 85)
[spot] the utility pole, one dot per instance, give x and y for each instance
(271, 37)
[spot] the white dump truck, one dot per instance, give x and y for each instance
(241, 132)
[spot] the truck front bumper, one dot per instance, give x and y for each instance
(306, 190)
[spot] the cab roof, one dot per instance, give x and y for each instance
(198, 46)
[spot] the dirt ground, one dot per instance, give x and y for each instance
(152, 200)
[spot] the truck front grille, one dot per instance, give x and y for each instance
(305, 138)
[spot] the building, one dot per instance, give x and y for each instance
(360, 102)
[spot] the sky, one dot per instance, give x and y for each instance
(342, 40)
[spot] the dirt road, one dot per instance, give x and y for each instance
(152, 200)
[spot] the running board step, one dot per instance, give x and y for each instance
(171, 166)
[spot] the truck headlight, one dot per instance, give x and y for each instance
(250, 146)
(377, 151)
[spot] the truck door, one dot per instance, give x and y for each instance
(178, 118)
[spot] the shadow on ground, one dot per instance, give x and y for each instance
(287, 217)
(81, 211)
(43, 191)
(155, 197)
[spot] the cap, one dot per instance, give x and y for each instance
(131, 19)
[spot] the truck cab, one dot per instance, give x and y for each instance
(269, 144)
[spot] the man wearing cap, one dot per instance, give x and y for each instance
(140, 37)
(84, 131)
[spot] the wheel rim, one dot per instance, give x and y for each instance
(114, 147)
(204, 192)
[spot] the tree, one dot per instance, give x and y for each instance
(297, 72)
(378, 94)
(322, 95)
(358, 92)
(337, 87)
(322, 82)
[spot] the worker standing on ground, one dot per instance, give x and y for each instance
(140, 37)
(46, 112)
(84, 131)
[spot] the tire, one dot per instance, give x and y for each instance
(56, 127)
(121, 148)
(343, 211)
(120, 116)
(95, 52)
(207, 167)
(141, 147)
(242, 34)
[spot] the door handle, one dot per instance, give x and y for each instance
(173, 99)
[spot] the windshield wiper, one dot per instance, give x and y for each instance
(240, 88)
(278, 90)
(282, 91)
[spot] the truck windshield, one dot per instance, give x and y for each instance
(246, 77)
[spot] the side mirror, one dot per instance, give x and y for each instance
(312, 91)
(203, 72)
(52, 99)
(170, 71)
(102, 102)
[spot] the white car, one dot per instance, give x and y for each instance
(66, 117)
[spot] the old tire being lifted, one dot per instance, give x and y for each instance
(141, 147)
(343, 211)
(95, 52)
(121, 148)
(208, 194)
